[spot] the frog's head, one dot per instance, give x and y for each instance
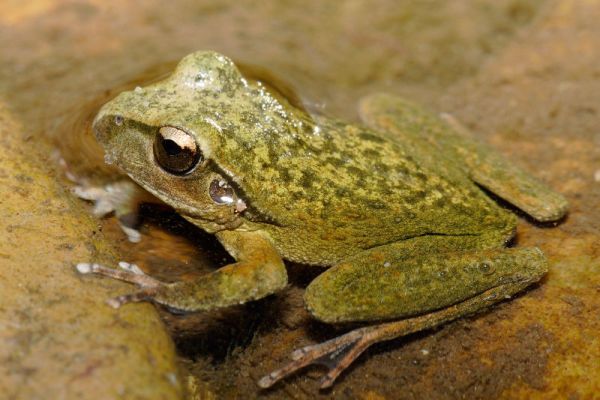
(179, 137)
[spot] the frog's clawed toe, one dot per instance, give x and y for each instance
(133, 274)
(142, 295)
(129, 273)
(336, 354)
(133, 268)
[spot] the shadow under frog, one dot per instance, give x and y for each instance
(394, 207)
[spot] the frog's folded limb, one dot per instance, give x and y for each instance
(381, 284)
(258, 272)
(337, 354)
(444, 288)
(399, 118)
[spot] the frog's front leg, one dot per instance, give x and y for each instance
(123, 198)
(423, 291)
(258, 272)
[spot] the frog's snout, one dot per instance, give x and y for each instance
(99, 133)
(100, 128)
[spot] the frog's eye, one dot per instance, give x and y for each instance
(176, 151)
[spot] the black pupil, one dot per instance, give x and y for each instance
(171, 148)
(176, 151)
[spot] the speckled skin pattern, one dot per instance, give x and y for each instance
(394, 205)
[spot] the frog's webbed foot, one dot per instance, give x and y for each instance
(336, 354)
(122, 197)
(129, 273)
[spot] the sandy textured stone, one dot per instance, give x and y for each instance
(58, 340)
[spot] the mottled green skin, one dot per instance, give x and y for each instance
(326, 192)
(390, 283)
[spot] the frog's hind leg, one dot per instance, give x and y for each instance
(485, 166)
(495, 173)
(423, 292)
(338, 354)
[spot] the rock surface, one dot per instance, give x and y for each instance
(58, 339)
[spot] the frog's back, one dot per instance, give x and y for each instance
(352, 188)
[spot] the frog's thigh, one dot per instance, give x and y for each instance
(379, 284)
(485, 166)
(258, 272)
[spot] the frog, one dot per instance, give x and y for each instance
(402, 209)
